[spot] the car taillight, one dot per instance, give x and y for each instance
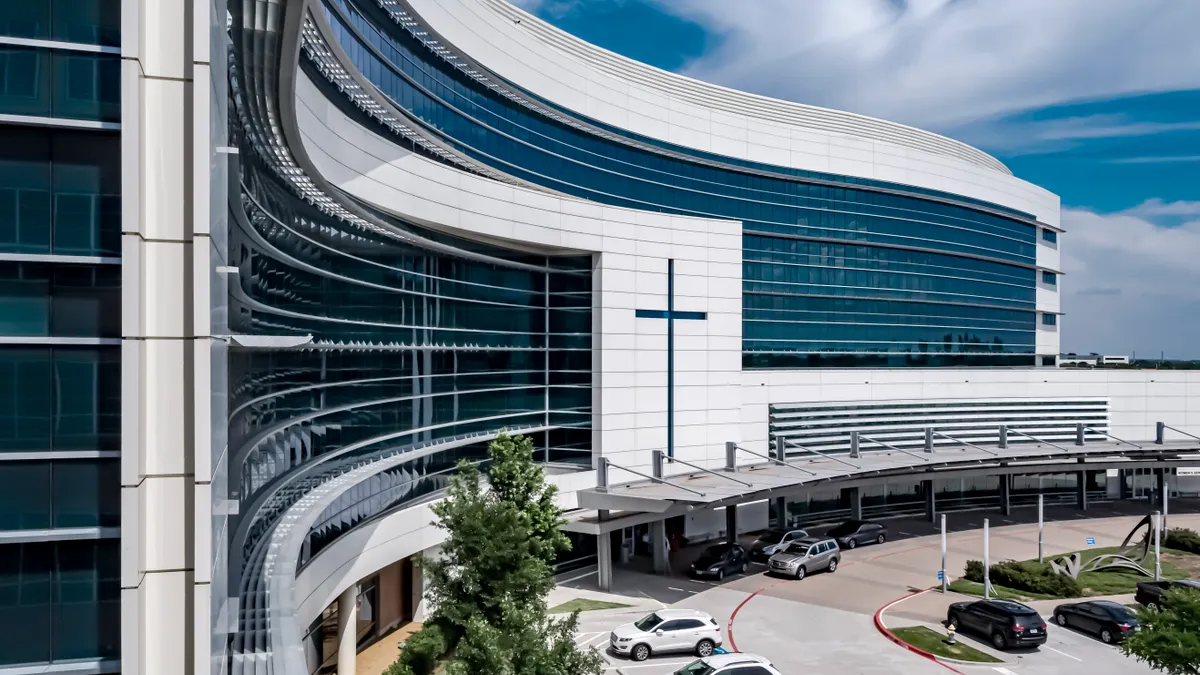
(1124, 626)
(1018, 628)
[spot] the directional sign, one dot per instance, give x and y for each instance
(939, 575)
(1091, 541)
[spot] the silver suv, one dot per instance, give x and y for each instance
(667, 630)
(802, 556)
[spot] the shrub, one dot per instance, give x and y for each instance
(1031, 577)
(421, 653)
(1183, 539)
(974, 571)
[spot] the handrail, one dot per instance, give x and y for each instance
(818, 452)
(1119, 440)
(977, 447)
(1022, 433)
(653, 479)
(715, 473)
(1182, 432)
(776, 461)
(889, 445)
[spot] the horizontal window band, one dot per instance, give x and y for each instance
(59, 45)
(664, 314)
(57, 455)
(59, 534)
(58, 122)
(57, 258)
(64, 341)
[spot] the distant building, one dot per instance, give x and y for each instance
(1090, 360)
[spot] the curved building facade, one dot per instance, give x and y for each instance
(354, 240)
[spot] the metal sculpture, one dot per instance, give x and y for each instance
(1073, 564)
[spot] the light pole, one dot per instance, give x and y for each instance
(987, 581)
(1156, 519)
(944, 582)
(1041, 526)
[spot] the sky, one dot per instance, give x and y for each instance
(1095, 100)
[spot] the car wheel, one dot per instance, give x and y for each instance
(853, 543)
(881, 538)
(743, 568)
(705, 648)
(1061, 619)
(800, 572)
(721, 574)
(832, 565)
(999, 641)
(954, 622)
(1106, 636)
(639, 653)
(1152, 606)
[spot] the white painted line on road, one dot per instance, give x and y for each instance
(581, 576)
(660, 602)
(1003, 671)
(695, 581)
(581, 636)
(694, 592)
(672, 588)
(589, 641)
(1010, 522)
(1063, 653)
(649, 665)
(906, 534)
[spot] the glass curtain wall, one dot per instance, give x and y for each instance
(834, 274)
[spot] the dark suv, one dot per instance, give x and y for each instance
(1006, 623)
(1150, 593)
(717, 561)
(854, 532)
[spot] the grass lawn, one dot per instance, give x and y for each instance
(1174, 564)
(935, 643)
(584, 605)
(975, 588)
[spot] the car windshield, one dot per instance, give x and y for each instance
(772, 536)
(695, 668)
(1027, 620)
(714, 552)
(844, 529)
(647, 624)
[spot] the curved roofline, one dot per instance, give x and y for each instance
(734, 101)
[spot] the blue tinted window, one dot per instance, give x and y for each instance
(54, 83)
(60, 398)
(60, 192)
(83, 21)
(1050, 236)
(1049, 319)
(60, 300)
(59, 601)
(60, 494)
(803, 239)
(1049, 278)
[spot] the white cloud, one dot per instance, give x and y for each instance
(942, 63)
(1165, 159)
(1129, 283)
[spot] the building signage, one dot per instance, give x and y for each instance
(1188, 471)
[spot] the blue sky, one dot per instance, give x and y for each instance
(1096, 100)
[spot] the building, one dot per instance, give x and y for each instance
(1091, 360)
(353, 239)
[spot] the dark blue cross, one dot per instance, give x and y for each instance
(670, 315)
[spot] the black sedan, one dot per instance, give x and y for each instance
(1110, 621)
(854, 532)
(1004, 622)
(717, 561)
(1150, 593)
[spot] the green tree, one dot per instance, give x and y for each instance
(488, 588)
(1170, 638)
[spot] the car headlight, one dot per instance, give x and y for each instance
(624, 639)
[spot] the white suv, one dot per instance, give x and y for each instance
(667, 630)
(729, 664)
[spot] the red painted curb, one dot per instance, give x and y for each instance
(729, 626)
(891, 636)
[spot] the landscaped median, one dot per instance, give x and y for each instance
(1025, 580)
(929, 640)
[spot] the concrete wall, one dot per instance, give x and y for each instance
(1137, 399)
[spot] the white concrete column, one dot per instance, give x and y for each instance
(348, 631)
(604, 565)
(166, 547)
(658, 547)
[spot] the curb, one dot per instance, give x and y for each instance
(891, 636)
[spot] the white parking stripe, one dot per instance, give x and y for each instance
(672, 588)
(649, 665)
(1063, 653)
(1003, 671)
(581, 636)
